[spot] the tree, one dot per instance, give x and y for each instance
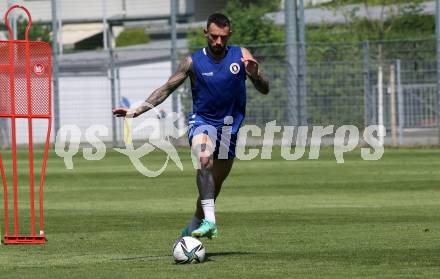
(132, 36)
(250, 26)
(395, 17)
(397, 20)
(38, 32)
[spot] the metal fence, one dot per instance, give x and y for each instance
(342, 82)
(343, 87)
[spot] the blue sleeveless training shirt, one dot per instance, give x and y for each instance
(219, 92)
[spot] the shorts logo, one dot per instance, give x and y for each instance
(234, 68)
(39, 69)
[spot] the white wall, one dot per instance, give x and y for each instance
(137, 83)
(86, 101)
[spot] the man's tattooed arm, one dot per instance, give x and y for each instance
(261, 82)
(160, 94)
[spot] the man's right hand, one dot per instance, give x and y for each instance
(124, 112)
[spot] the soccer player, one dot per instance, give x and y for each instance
(218, 74)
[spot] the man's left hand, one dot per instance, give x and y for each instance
(251, 66)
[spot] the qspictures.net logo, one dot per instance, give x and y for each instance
(293, 142)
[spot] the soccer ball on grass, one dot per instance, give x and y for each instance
(188, 250)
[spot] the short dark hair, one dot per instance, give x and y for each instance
(218, 19)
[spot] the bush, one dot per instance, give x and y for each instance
(132, 36)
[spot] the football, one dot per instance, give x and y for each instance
(188, 250)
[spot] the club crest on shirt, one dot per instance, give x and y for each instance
(234, 68)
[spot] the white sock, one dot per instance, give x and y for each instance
(195, 223)
(208, 209)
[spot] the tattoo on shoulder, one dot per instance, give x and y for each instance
(185, 66)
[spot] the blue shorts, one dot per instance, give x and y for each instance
(225, 141)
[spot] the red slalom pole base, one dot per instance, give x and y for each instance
(24, 240)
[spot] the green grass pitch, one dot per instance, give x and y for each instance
(277, 219)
